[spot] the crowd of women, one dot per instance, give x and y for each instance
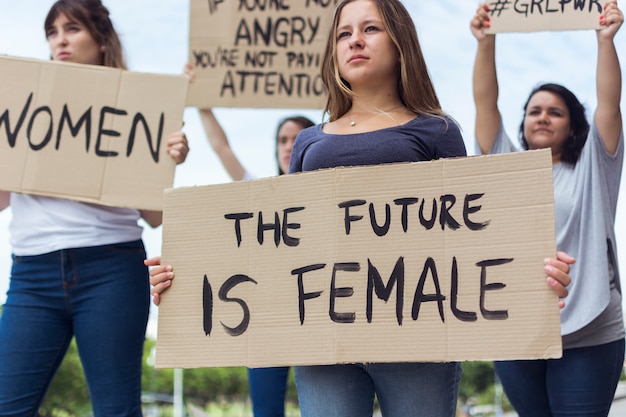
(76, 264)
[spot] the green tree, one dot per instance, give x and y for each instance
(478, 377)
(204, 385)
(201, 385)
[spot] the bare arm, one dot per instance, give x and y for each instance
(217, 138)
(153, 218)
(485, 82)
(219, 142)
(608, 116)
(5, 199)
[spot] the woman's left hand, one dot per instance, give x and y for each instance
(161, 277)
(177, 146)
(611, 19)
(558, 274)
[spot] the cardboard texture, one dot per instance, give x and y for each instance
(88, 133)
(543, 15)
(305, 301)
(258, 54)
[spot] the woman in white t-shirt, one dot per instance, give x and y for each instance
(77, 268)
(587, 165)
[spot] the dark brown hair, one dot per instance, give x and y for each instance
(578, 123)
(301, 121)
(95, 17)
(415, 88)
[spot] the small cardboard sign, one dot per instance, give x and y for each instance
(247, 53)
(88, 132)
(429, 261)
(543, 15)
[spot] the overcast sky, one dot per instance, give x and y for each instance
(154, 36)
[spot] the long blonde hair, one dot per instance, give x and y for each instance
(415, 88)
(95, 17)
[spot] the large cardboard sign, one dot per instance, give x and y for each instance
(429, 261)
(543, 15)
(250, 53)
(88, 132)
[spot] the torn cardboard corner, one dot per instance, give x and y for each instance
(88, 133)
(248, 54)
(430, 261)
(533, 16)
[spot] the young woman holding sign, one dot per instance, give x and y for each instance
(587, 164)
(382, 109)
(70, 260)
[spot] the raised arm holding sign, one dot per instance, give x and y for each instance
(587, 162)
(543, 15)
(258, 54)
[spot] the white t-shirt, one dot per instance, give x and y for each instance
(44, 224)
(585, 197)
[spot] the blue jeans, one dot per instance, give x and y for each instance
(100, 295)
(268, 387)
(581, 383)
(403, 389)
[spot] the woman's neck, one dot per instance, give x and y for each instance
(374, 103)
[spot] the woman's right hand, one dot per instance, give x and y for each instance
(480, 21)
(160, 277)
(557, 269)
(611, 20)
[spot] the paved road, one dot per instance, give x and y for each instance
(618, 409)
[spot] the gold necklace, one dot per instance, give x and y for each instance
(385, 112)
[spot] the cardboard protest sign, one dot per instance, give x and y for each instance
(429, 261)
(543, 15)
(250, 53)
(87, 132)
